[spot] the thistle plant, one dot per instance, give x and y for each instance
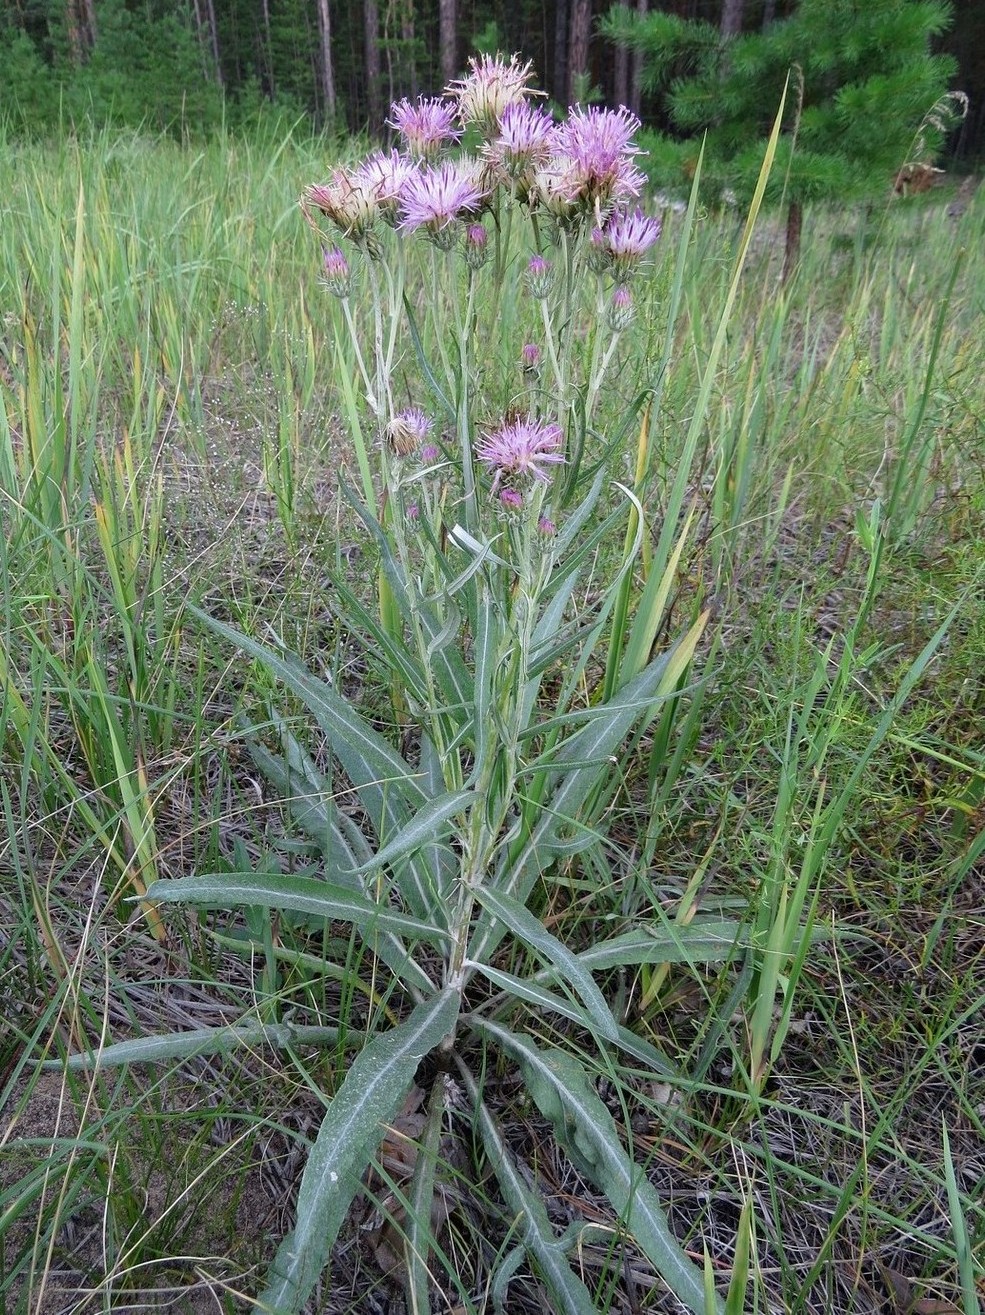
(484, 300)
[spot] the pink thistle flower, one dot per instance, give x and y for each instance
(524, 139)
(547, 527)
(530, 357)
(491, 85)
(384, 173)
(628, 237)
(426, 126)
(413, 511)
(520, 448)
(434, 198)
(595, 154)
(408, 430)
(350, 204)
(430, 453)
(511, 499)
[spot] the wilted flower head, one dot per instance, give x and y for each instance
(491, 85)
(408, 430)
(523, 141)
(338, 277)
(438, 195)
(628, 237)
(424, 126)
(519, 449)
(347, 201)
(384, 173)
(595, 154)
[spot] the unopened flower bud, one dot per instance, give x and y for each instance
(338, 276)
(510, 499)
(599, 256)
(530, 358)
(621, 310)
(538, 277)
(546, 527)
(476, 246)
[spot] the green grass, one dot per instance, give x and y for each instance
(170, 431)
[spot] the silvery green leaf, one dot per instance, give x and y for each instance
(370, 1097)
(225, 890)
(537, 1236)
(704, 940)
(524, 988)
(586, 1130)
(344, 846)
(388, 787)
(532, 932)
(469, 543)
(426, 824)
(570, 778)
(249, 1033)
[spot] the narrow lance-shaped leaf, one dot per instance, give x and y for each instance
(537, 1236)
(587, 1131)
(302, 894)
(370, 1097)
(532, 932)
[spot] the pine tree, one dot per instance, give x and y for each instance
(863, 82)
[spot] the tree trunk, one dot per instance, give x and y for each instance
(791, 252)
(560, 88)
(620, 87)
(408, 37)
(636, 77)
(448, 39)
(270, 79)
(327, 69)
(581, 30)
(371, 36)
(214, 40)
(80, 27)
(731, 24)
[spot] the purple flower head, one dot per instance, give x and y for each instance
(347, 201)
(413, 511)
(530, 356)
(595, 154)
(538, 277)
(511, 499)
(524, 140)
(476, 246)
(621, 310)
(408, 430)
(384, 173)
(430, 453)
(628, 238)
(520, 448)
(547, 527)
(491, 85)
(426, 126)
(434, 198)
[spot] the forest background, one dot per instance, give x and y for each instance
(188, 67)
